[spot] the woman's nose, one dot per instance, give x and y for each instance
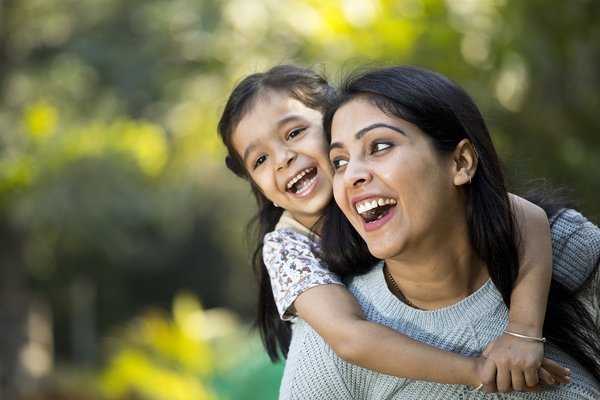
(284, 158)
(356, 174)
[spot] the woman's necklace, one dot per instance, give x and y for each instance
(399, 292)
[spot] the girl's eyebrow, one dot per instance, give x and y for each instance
(282, 122)
(358, 135)
(288, 119)
(248, 150)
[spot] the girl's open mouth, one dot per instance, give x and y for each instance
(301, 182)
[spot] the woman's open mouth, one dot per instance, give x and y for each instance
(303, 181)
(374, 209)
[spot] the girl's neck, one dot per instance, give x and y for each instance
(290, 221)
(309, 223)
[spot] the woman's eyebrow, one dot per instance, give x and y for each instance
(359, 135)
(335, 145)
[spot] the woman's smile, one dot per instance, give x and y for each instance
(375, 211)
(389, 181)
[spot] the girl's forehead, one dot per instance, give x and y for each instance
(270, 115)
(272, 108)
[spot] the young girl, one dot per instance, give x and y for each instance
(272, 128)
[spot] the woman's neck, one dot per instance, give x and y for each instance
(437, 280)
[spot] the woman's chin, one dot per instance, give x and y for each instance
(378, 252)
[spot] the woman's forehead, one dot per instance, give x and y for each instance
(356, 114)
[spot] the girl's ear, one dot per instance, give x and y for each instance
(465, 163)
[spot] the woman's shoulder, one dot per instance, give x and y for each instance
(576, 247)
(568, 221)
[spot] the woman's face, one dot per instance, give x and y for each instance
(393, 186)
(284, 150)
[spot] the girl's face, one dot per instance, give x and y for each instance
(282, 145)
(392, 185)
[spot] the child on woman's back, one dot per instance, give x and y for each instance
(271, 126)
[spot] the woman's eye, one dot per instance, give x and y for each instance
(376, 147)
(338, 163)
(295, 132)
(259, 161)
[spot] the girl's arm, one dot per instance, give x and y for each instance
(513, 362)
(302, 284)
(335, 315)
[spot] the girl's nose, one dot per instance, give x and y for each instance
(285, 157)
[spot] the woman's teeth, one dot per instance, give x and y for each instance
(372, 204)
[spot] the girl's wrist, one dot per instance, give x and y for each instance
(474, 371)
(527, 329)
(526, 337)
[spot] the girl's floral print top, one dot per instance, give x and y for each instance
(291, 254)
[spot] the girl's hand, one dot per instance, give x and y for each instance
(518, 364)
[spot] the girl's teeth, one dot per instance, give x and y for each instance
(297, 178)
(306, 185)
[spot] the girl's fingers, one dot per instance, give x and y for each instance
(503, 381)
(562, 374)
(546, 376)
(518, 380)
(488, 377)
(531, 377)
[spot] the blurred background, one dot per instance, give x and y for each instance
(123, 266)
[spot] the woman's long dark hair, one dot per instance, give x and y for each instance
(442, 110)
(312, 90)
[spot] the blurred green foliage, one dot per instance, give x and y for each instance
(185, 353)
(111, 170)
(193, 354)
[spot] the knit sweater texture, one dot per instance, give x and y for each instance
(314, 371)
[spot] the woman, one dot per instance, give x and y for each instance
(416, 175)
(272, 128)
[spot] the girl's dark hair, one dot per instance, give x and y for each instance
(443, 110)
(312, 90)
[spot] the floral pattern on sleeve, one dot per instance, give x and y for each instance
(294, 265)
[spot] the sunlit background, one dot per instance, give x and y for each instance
(123, 265)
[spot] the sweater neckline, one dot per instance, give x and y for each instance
(468, 309)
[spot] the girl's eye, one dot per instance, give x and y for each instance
(338, 163)
(259, 161)
(295, 132)
(379, 146)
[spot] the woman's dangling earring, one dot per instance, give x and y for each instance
(275, 204)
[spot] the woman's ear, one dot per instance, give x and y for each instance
(465, 162)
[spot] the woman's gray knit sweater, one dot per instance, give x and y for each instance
(314, 371)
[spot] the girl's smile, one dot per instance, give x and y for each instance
(283, 148)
